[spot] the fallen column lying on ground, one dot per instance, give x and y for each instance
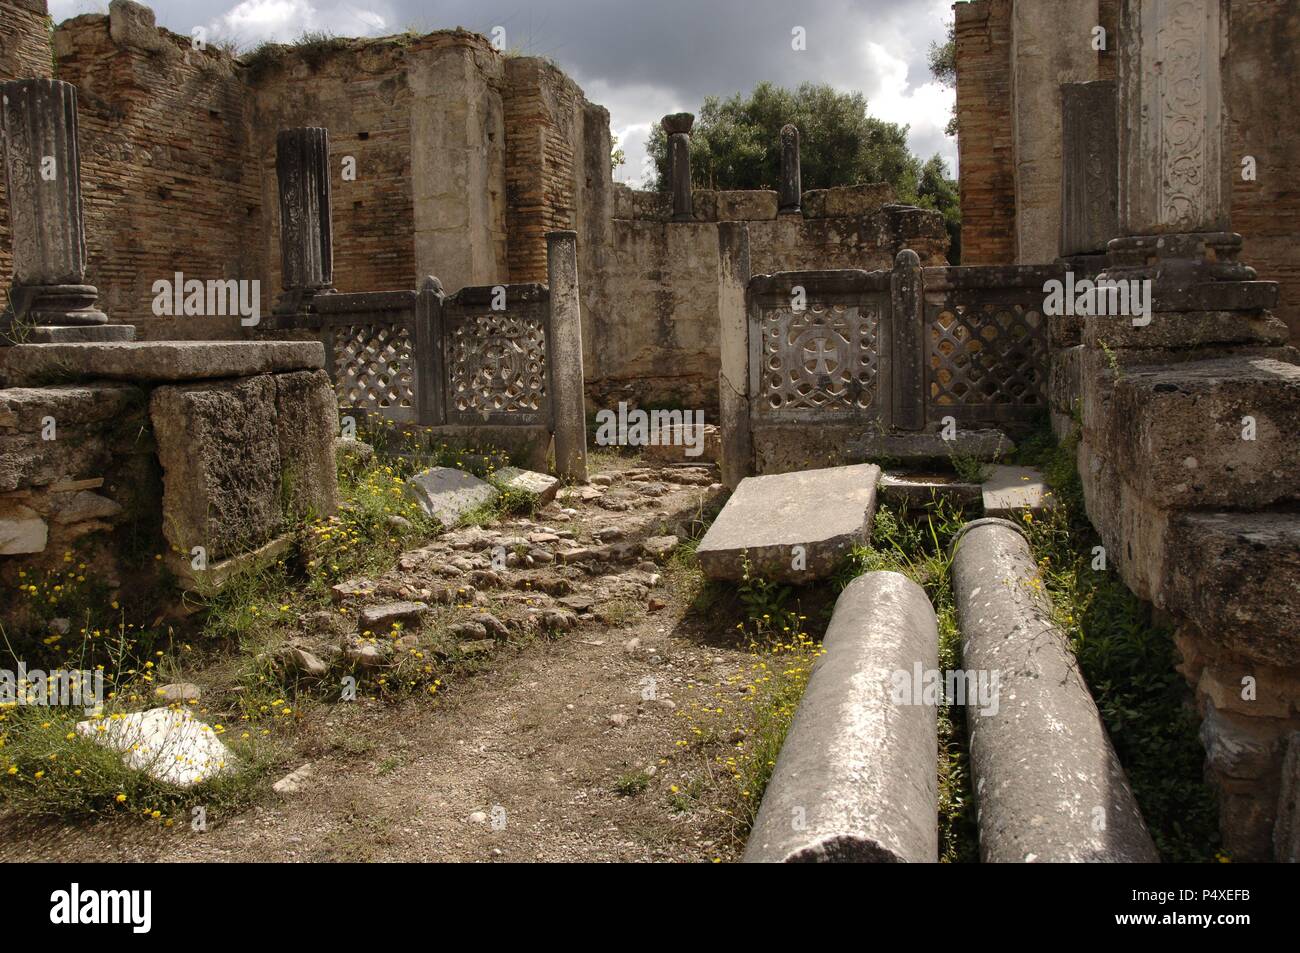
(1048, 785)
(857, 777)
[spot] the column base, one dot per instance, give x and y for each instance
(56, 306)
(1190, 271)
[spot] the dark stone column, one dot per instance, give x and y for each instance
(791, 187)
(302, 166)
(678, 128)
(908, 332)
(1089, 168)
(38, 119)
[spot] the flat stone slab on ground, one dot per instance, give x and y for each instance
(1012, 490)
(827, 512)
(136, 361)
(170, 746)
(447, 494)
(541, 485)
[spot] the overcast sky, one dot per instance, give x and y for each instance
(642, 59)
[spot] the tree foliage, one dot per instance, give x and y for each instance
(736, 144)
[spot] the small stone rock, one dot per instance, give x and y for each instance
(379, 619)
(618, 719)
(294, 781)
(179, 692)
(469, 630)
(658, 547)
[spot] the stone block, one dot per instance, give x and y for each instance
(677, 443)
(984, 445)
(307, 422)
(1132, 527)
(746, 206)
(1010, 491)
(1064, 379)
(1175, 432)
(141, 361)
(170, 746)
(826, 512)
(132, 24)
(543, 486)
(1185, 329)
(1238, 746)
(448, 494)
(1286, 830)
(220, 454)
(1235, 577)
(847, 200)
(21, 529)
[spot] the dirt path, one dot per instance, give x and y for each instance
(521, 762)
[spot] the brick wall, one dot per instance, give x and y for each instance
(168, 177)
(543, 122)
(1261, 87)
(984, 145)
(361, 95)
(24, 52)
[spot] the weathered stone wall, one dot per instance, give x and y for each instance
(1012, 58)
(169, 178)
(1262, 85)
(1050, 45)
(656, 344)
(25, 52)
(458, 149)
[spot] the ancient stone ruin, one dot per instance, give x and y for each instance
(371, 319)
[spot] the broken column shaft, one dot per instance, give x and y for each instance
(1048, 785)
(678, 129)
(857, 778)
(790, 193)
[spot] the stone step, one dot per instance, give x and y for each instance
(920, 448)
(1010, 491)
(766, 521)
(924, 489)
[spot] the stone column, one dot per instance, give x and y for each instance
(907, 300)
(856, 780)
(302, 166)
(1048, 783)
(564, 351)
(678, 128)
(1174, 186)
(1089, 170)
(791, 186)
(733, 345)
(38, 123)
